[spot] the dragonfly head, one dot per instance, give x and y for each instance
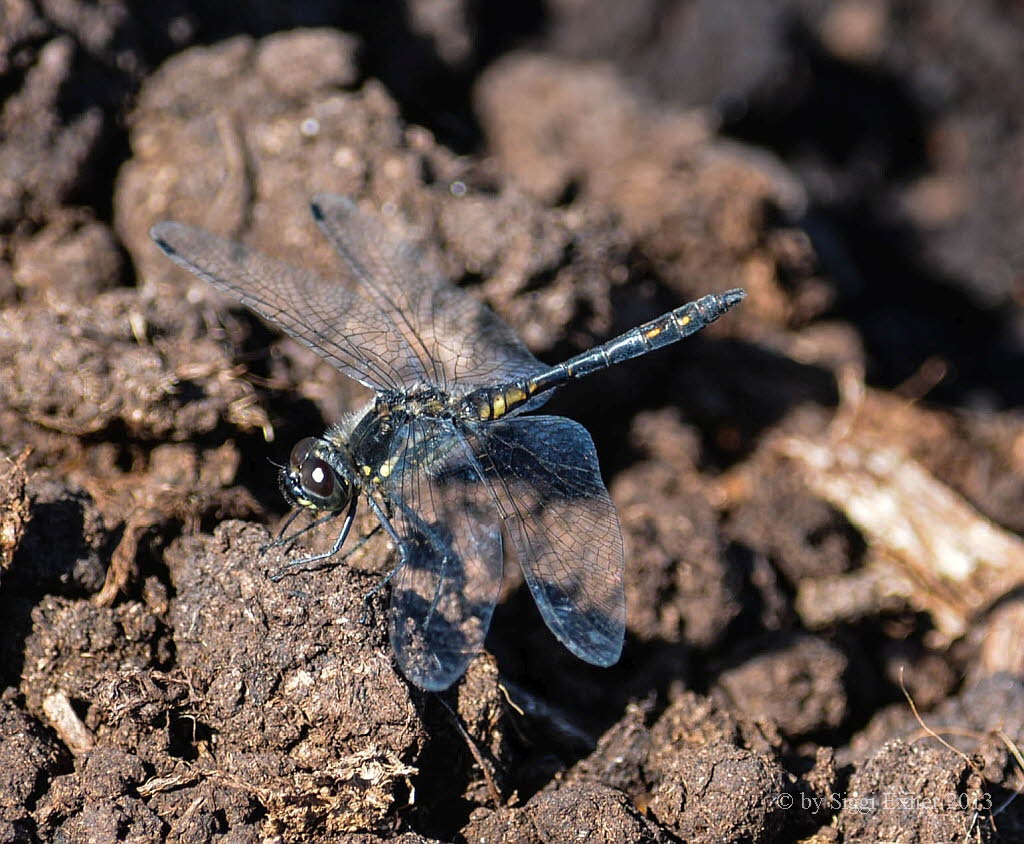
(313, 477)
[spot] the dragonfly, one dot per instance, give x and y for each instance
(444, 455)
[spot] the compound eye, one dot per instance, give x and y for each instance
(317, 477)
(300, 452)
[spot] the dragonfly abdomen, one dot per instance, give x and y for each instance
(667, 329)
(490, 403)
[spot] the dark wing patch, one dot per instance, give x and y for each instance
(547, 486)
(443, 596)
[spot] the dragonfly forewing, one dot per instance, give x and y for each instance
(458, 340)
(355, 336)
(444, 592)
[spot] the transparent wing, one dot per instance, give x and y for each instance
(544, 475)
(443, 596)
(456, 338)
(333, 321)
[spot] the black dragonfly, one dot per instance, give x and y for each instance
(442, 455)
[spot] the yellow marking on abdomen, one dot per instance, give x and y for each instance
(686, 320)
(498, 403)
(514, 395)
(651, 333)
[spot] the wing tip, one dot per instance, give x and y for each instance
(322, 203)
(609, 659)
(428, 678)
(600, 643)
(429, 683)
(604, 654)
(162, 233)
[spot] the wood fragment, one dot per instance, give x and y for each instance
(927, 544)
(66, 723)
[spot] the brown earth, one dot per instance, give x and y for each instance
(821, 495)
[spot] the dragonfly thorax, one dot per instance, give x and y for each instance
(318, 476)
(425, 400)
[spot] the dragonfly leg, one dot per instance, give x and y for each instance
(282, 540)
(368, 597)
(302, 564)
(385, 523)
(359, 543)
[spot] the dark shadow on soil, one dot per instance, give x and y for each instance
(856, 134)
(441, 809)
(909, 314)
(713, 383)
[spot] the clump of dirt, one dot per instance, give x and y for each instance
(14, 508)
(697, 770)
(122, 360)
(31, 757)
(931, 793)
(824, 621)
(300, 702)
(586, 810)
